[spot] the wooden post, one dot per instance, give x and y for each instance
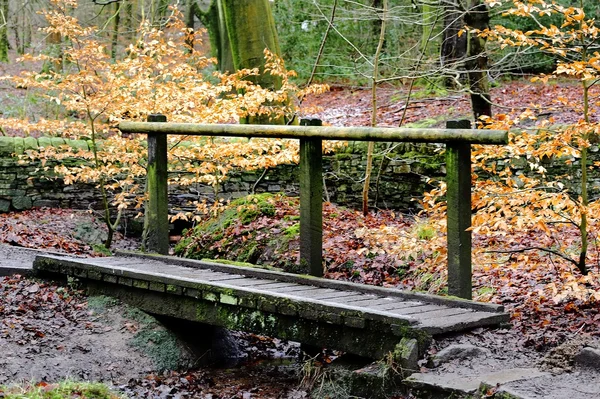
(156, 221)
(458, 196)
(311, 202)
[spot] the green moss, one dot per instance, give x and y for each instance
(160, 345)
(425, 232)
(62, 390)
(100, 303)
(293, 231)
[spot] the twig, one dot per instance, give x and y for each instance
(548, 250)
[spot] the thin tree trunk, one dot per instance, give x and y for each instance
(4, 31)
(115, 33)
(190, 22)
(54, 50)
(454, 48)
(213, 20)
(371, 147)
(477, 64)
(129, 29)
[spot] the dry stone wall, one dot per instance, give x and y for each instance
(26, 183)
(405, 169)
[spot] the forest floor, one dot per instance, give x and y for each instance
(31, 309)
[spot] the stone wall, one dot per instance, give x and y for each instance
(26, 183)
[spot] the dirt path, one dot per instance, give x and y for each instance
(50, 332)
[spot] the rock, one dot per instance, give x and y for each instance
(21, 202)
(459, 351)
(588, 357)
(4, 205)
(456, 384)
(406, 354)
(7, 146)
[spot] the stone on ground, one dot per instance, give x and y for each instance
(456, 384)
(459, 351)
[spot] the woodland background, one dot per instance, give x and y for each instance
(86, 66)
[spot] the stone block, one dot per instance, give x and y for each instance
(30, 143)
(78, 144)
(22, 202)
(7, 145)
(4, 205)
(588, 357)
(460, 352)
(45, 142)
(19, 145)
(57, 141)
(406, 354)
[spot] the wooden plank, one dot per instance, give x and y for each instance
(156, 222)
(458, 197)
(313, 292)
(278, 286)
(420, 309)
(343, 296)
(441, 313)
(299, 288)
(463, 322)
(356, 133)
(364, 297)
(369, 302)
(250, 282)
(404, 305)
(311, 203)
(223, 279)
(392, 305)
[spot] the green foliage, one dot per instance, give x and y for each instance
(530, 60)
(101, 249)
(100, 303)
(425, 231)
(301, 25)
(63, 390)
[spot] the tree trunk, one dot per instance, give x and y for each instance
(477, 63)
(4, 31)
(214, 21)
(190, 22)
(429, 16)
(129, 29)
(251, 29)
(240, 30)
(54, 50)
(454, 48)
(115, 33)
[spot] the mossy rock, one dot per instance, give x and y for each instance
(256, 229)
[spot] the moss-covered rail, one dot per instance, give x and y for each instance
(458, 138)
(365, 320)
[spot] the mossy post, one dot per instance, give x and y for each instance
(311, 201)
(458, 196)
(156, 220)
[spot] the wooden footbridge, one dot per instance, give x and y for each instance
(365, 320)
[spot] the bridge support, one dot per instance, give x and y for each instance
(156, 220)
(311, 202)
(458, 197)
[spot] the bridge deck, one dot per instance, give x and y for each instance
(342, 304)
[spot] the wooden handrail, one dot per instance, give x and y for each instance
(414, 135)
(458, 138)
